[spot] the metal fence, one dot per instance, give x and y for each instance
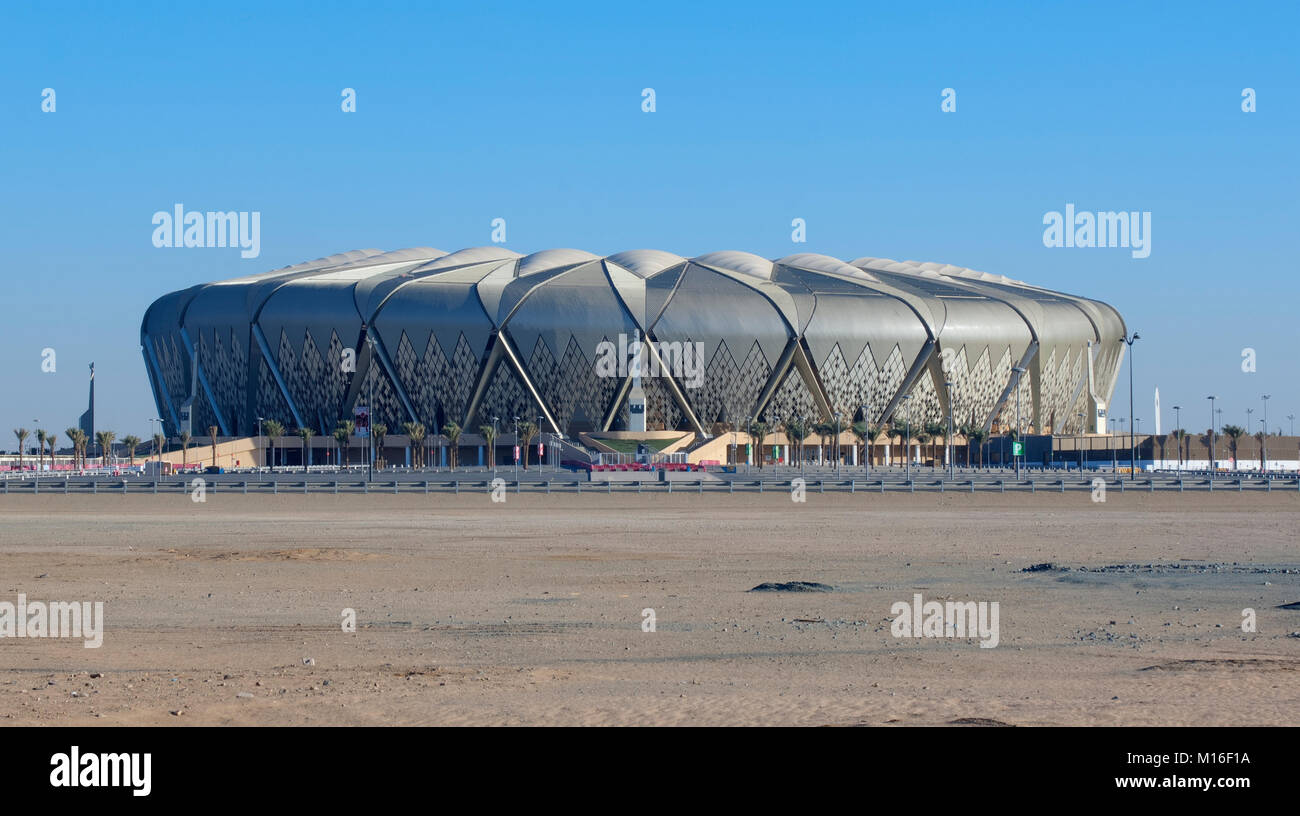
(110, 486)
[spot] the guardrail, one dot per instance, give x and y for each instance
(135, 486)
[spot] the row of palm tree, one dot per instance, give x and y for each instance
(869, 434)
(78, 438)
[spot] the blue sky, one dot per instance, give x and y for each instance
(765, 112)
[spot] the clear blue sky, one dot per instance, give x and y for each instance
(765, 113)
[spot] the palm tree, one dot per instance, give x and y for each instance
(1259, 437)
(922, 437)
(875, 433)
(21, 433)
(306, 434)
(274, 430)
(418, 434)
(158, 441)
(185, 447)
(414, 436)
(976, 437)
(349, 428)
(863, 432)
(795, 431)
(50, 439)
(40, 438)
(1233, 432)
(527, 433)
(905, 435)
(380, 430)
(132, 442)
(936, 430)
(824, 431)
(489, 435)
(341, 436)
(453, 431)
(105, 440)
(759, 431)
(73, 434)
(212, 434)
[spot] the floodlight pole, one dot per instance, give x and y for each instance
(1178, 426)
(907, 440)
(804, 432)
(1132, 454)
(952, 465)
(1079, 444)
(370, 410)
(1211, 399)
(1018, 371)
(1263, 442)
(866, 426)
(749, 446)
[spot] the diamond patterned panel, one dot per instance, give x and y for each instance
(576, 395)
(791, 399)
(316, 382)
(226, 367)
(850, 388)
(505, 397)
(388, 407)
(662, 411)
(925, 401)
(170, 353)
(1007, 416)
(975, 390)
(1059, 382)
(729, 392)
(439, 389)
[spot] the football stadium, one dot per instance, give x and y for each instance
(421, 335)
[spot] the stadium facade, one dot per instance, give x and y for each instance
(486, 332)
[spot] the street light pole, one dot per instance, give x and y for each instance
(1019, 371)
(1079, 442)
(1132, 454)
(866, 426)
(749, 441)
(370, 414)
(1211, 398)
(907, 441)
(1178, 426)
(804, 433)
(1263, 442)
(952, 466)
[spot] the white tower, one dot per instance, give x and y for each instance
(636, 396)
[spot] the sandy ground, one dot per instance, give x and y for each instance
(529, 612)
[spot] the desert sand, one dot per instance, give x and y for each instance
(529, 612)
